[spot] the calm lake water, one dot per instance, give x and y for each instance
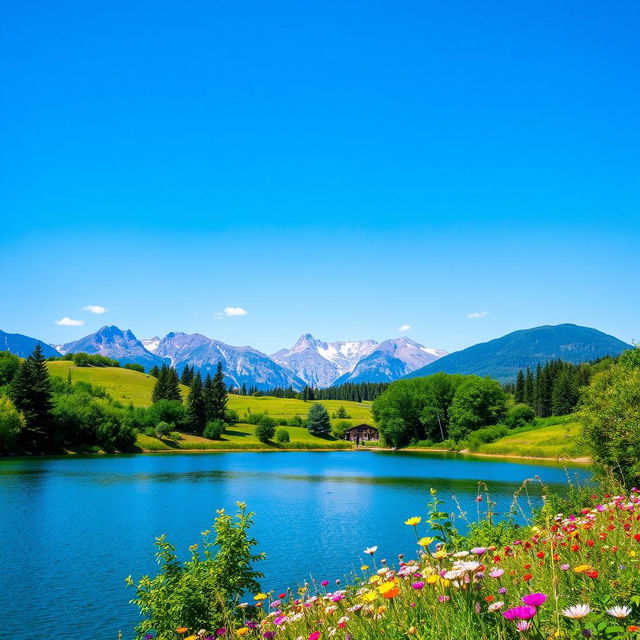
(71, 529)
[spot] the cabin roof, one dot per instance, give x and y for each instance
(360, 427)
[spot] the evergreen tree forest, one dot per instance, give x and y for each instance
(552, 389)
(355, 392)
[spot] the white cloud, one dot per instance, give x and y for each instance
(405, 327)
(229, 312)
(94, 308)
(478, 314)
(68, 322)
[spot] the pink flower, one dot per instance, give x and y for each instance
(324, 583)
(418, 585)
(520, 613)
(534, 599)
(523, 625)
(314, 636)
(496, 573)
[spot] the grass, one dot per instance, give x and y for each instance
(128, 386)
(240, 436)
(561, 439)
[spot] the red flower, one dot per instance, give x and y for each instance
(590, 543)
(592, 574)
(637, 537)
(489, 598)
(527, 566)
(575, 547)
(526, 577)
(540, 554)
(496, 559)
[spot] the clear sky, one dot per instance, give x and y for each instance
(339, 168)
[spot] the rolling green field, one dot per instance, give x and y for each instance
(552, 441)
(128, 386)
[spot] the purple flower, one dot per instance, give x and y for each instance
(221, 631)
(418, 585)
(534, 599)
(443, 598)
(564, 567)
(520, 613)
(478, 550)
(148, 636)
(269, 635)
(502, 590)
(324, 583)
(279, 620)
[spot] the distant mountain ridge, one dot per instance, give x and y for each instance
(316, 363)
(391, 360)
(503, 357)
(319, 363)
(23, 346)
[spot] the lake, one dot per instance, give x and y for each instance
(72, 528)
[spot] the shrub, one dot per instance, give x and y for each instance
(12, 422)
(265, 428)
(214, 429)
(282, 436)
(231, 416)
(520, 416)
(483, 436)
(170, 411)
(163, 429)
(134, 367)
(339, 429)
(203, 592)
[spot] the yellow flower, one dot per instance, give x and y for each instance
(260, 596)
(433, 578)
(375, 578)
(441, 553)
(364, 567)
(412, 522)
(242, 631)
(389, 589)
(632, 554)
(582, 568)
(425, 542)
(381, 609)
(190, 638)
(432, 491)
(369, 596)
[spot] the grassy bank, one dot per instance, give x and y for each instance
(239, 437)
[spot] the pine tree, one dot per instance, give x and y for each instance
(208, 393)
(159, 388)
(519, 390)
(154, 371)
(318, 421)
(565, 394)
(529, 389)
(219, 396)
(196, 409)
(31, 393)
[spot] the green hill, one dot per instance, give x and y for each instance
(549, 441)
(128, 386)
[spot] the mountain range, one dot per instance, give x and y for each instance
(503, 357)
(321, 364)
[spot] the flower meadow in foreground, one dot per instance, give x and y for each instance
(576, 577)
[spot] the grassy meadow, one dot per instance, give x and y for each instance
(128, 386)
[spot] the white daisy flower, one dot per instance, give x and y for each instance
(576, 611)
(619, 612)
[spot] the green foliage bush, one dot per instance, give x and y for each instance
(265, 428)
(611, 418)
(520, 415)
(214, 429)
(202, 592)
(12, 423)
(486, 435)
(282, 436)
(340, 428)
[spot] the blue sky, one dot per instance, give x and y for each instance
(339, 168)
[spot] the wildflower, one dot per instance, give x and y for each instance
(242, 631)
(418, 585)
(444, 598)
(269, 635)
(389, 589)
(412, 631)
(412, 522)
(534, 599)
(496, 573)
(182, 630)
(467, 567)
(632, 627)
(364, 567)
(582, 568)
(260, 596)
(576, 611)
(324, 583)
(564, 567)
(619, 612)
(371, 550)
(502, 590)
(523, 625)
(479, 551)
(496, 606)
(521, 613)
(425, 542)
(314, 636)
(527, 576)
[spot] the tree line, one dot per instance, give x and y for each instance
(351, 391)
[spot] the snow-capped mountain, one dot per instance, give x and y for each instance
(114, 343)
(241, 365)
(151, 344)
(391, 360)
(320, 363)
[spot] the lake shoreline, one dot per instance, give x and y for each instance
(581, 461)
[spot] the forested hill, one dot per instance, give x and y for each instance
(503, 357)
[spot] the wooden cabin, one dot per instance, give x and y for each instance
(362, 433)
